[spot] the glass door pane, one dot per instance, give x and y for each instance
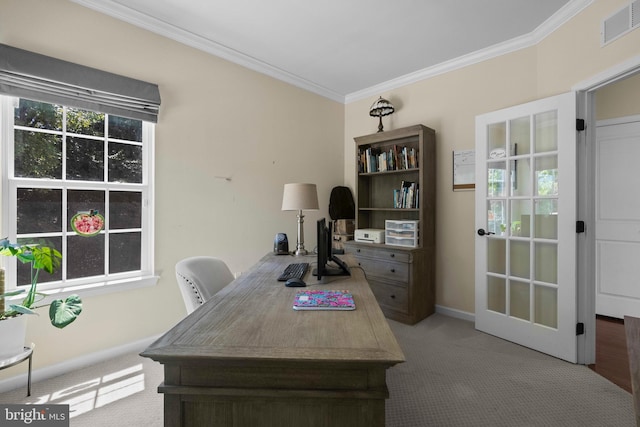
(546, 306)
(522, 251)
(519, 300)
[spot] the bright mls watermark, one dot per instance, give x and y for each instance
(34, 415)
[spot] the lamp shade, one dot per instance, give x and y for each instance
(381, 108)
(299, 197)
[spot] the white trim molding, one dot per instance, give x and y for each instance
(567, 12)
(172, 32)
(458, 314)
(74, 364)
(622, 70)
(126, 14)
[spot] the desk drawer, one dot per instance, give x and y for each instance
(381, 254)
(394, 297)
(395, 271)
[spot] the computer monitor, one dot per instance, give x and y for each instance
(325, 254)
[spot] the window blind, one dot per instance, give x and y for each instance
(42, 78)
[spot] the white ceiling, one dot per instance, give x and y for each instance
(348, 49)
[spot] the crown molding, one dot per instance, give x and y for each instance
(442, 68)
(567, 12)
(126, 14)
(172, 32)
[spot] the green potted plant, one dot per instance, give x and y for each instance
(12, 316)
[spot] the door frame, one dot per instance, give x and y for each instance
(585, 158)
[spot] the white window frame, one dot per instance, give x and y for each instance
(90, 285)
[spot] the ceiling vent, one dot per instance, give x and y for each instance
(621, 22)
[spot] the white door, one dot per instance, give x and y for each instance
(526, 225)
(617, 254)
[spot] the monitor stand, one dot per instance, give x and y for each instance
(342, 270)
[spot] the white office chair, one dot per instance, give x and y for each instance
(201, 277)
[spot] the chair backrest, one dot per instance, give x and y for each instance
(201, 277)
(632, 332)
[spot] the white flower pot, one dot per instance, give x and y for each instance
(13, 332)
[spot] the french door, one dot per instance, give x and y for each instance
(525, 239)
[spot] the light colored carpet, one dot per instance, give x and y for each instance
(118, 392)
(453, 376)
(457, 376)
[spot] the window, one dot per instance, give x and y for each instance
(62, 161)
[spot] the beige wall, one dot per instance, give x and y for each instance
(216, 119)
(619, 99)
(449, 103)
(221, 120)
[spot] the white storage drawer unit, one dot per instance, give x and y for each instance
(401, 233)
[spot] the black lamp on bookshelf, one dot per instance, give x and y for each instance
(381, 108)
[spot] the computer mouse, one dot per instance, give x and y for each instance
(294, 283)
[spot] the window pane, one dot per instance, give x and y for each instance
(55, 144)
(496, 179)
(520, 136)
(546, 269)
(519, 260)
(85, 159)
(84, 201)
(85, 122)
(125, 252)
(496, 216)
(125, 163)
(546, 306)
(496, 294)
(546, 176)
(125, 209)
(521, 177)
(519, 299)
(520, 223)
(123, 128)
(38, 115)
(546, 128)
(497, 140)
(37, 155)
(24, 270)
(85, 256)
(39, 210)
(546, 225)
(496, 256)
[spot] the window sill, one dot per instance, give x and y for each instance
(96, 288)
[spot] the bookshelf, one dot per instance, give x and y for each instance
(386, 162)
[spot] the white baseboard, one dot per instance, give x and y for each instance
(74, 364)
(458, 314)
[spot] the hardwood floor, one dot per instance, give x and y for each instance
(612, 360)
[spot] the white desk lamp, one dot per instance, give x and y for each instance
(297, 197)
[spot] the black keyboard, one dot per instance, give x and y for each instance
(295, 270)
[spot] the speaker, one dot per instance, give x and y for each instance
(281, 244)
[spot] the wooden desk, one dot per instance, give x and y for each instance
(246, 358)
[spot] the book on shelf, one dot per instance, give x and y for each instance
(373, 159)
(319, 299)
(407, 196)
